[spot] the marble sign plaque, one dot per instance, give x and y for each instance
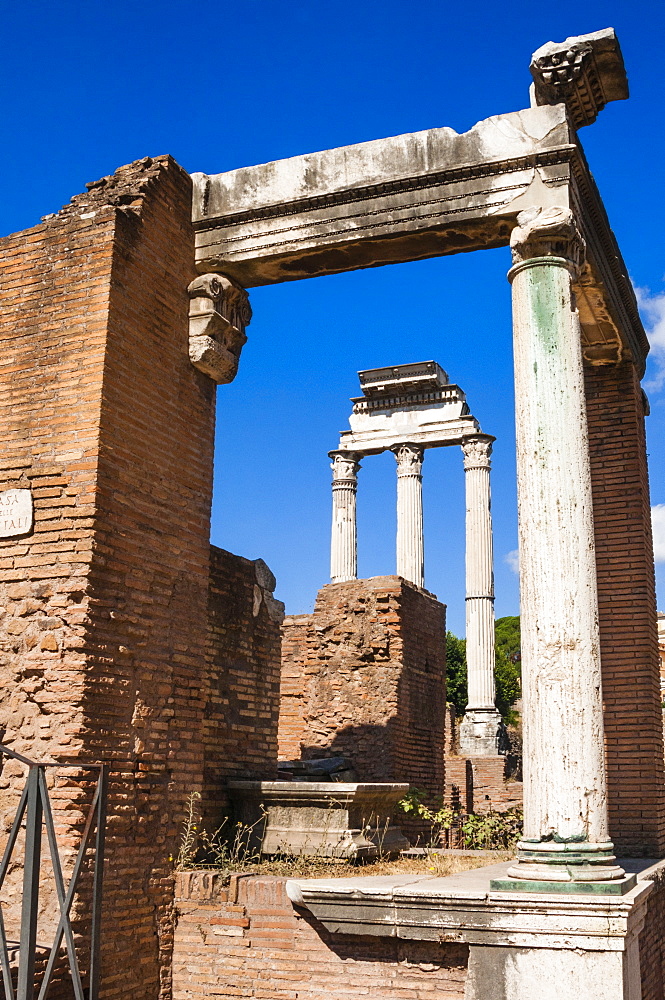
(15, 512)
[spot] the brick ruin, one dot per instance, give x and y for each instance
(107, 652)
(125, 637)
(363, 677)
(248, 941)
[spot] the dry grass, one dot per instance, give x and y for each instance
(315, 867)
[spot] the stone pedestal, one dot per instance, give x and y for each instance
(480, 733)
(521, 946)
(320, 818)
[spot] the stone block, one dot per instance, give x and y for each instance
(321, 819)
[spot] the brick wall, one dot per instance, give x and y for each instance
(652, 940)
(626, 590)
(242, 695)
(364, 676)
(479, 784)
(248, 941)
(104, 649)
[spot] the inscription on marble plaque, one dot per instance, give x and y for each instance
(15, 512)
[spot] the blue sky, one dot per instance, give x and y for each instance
(88, 87)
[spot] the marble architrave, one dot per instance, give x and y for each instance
(408, 404)
(436, 192)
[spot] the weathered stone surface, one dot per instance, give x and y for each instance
(15, 513)
(410, 196)
(521, 946)
(219, 311)
(363, 676)
(319, 818)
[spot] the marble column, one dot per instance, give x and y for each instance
(344, 544)
(480, 731)
(410, 545)
(566, 839)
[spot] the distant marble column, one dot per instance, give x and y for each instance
(566, 838)
(344, 544)
(480, 731)
(410, 545)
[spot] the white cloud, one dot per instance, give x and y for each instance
(512, 558)
(652, 308)
(658, 522)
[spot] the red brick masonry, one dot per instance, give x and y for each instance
(247, 941)
(627, 604)
(479, 785)
(364, 676)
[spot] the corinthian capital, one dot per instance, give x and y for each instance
(344, 466)
(409, 459)
(219, 311)
(547, 232)
(477, 449)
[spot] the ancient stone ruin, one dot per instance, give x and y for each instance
(127, 639)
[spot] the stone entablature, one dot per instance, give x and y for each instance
(411, 404)
(426, 194)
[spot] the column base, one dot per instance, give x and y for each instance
(566, 866)
(482, 733)
(619, 887)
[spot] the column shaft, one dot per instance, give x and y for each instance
(343, 542)
(564, 763)
(479, 574)
(410, 544)
(481, 729)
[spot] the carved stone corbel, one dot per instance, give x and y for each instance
(219, 311)
(585, 73)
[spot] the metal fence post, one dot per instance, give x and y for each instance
(29, 908)
(98, 876)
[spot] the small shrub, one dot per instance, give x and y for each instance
(229, 848)
(494, 831)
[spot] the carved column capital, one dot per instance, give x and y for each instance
(547, 232)
(345, 466)
(219, 311)
(409, 459)
(477, 449)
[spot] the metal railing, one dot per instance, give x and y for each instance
(35, 806)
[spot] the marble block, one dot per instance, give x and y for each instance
(320, 818)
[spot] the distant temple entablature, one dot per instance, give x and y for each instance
(407, 404)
